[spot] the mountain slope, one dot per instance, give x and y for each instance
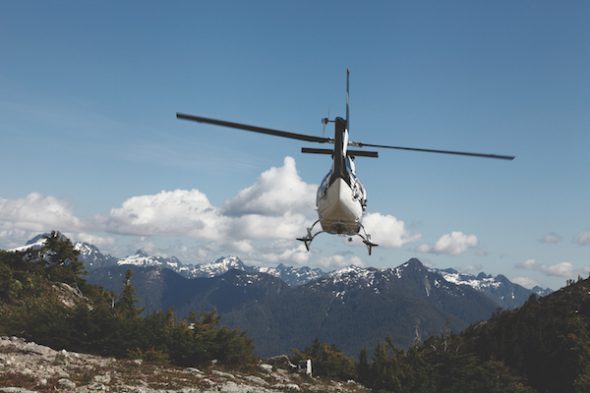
(505, 293)
(352, 308)
(547, 340)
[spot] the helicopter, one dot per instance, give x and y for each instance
(341, 199)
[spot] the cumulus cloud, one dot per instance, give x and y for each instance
(388, 231)
(98, 241)
(255, 226)
(285, 252)
(168, 212)
(525, 282)
(530, 263)
(470, 269)
(36, 213)
(260, 222)
(583, 238)
(334, 262)
(454, 243)
(277, 191)
(561, 269)
(550, 238)
(23, 218)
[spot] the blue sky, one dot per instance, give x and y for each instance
(89, 142)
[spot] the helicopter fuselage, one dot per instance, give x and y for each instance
(341, 198)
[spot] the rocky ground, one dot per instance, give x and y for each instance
(28, 367)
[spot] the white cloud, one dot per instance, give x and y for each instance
(178, 212)
(561, 269)
(525, 282)
(270, 209)
(23, 218)
(277, 191)
(285, 252)
(260, 222)
(530, 263)
(454, 243)
(98, 241)
(255, 226)
(551, 238)
(387, 231)
(470, 269)
(583, 238)
(334, 262)
(242, 246)
(36, 213)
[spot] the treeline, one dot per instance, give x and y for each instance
(542, 347)
(44, 298)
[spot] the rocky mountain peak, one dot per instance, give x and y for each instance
(414, 264)
(40, 238)
(141, 253)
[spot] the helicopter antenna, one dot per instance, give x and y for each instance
(325, 121)
(347, 98)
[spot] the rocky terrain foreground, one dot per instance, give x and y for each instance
(29, 367)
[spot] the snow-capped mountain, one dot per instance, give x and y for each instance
(220, 266)
(292, 275)
(141, 258)
(92, 258)
(35, 243)
(539, 291)
(498, 289)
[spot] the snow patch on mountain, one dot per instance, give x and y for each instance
(480, 282)
(34, 243)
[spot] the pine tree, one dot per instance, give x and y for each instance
(362, 368)
(126, 305)
(61, 259)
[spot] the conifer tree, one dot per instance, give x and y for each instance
(126, 304)
(61, 259)
(362, 368)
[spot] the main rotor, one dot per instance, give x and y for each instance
(319, 139)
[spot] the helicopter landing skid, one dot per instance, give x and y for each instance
(365, 236)
(308, 239)
(367, 241)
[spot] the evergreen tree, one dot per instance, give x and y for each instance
(126, 303)
(61, 259)
(362, 368)
(328, 361)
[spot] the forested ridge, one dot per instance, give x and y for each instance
(543, 347)
(43, 298)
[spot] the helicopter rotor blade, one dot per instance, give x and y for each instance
(457, 153)
(260, 130)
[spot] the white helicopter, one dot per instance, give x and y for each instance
(341, 198)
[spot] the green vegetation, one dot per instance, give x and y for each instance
(43, 298)
(543, 347)
(327, 361)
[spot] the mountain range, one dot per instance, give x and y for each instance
(284, 307)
